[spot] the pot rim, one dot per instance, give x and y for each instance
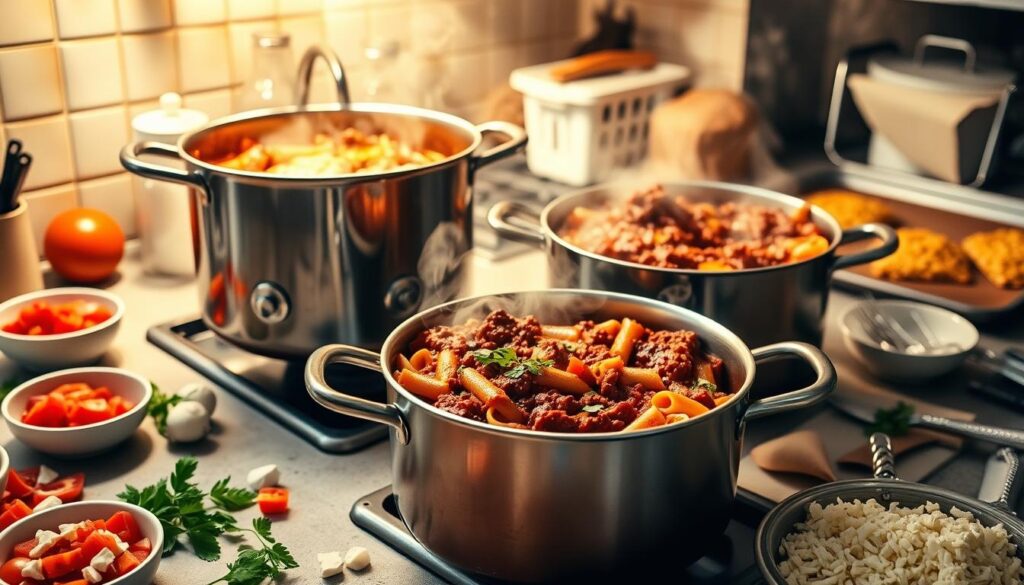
(449, 120)
(720, 332)
(816, 212)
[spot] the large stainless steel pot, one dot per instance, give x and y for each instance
(761, 305)
(531, 506)
(287, 264)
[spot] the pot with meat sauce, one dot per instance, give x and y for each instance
(522, 451)
(757, 261)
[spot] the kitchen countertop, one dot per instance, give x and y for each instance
(323, 487)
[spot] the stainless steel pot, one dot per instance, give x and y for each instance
(288, 264)
(762, 305)
(530, 506)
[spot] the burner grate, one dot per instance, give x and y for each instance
(275, 387)
(730, 563)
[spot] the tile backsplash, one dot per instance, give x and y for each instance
(74, 72)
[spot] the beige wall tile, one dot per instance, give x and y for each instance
(289, 7)
(96, 139)
(144, 15)
(44, 204)
(85, 18)
(29, 82)
(92, 73)
(250, 9)
(506, 21)
(304, 31)
(470, 23)
(189, 12)
(468, 75)
(344, 31)
(48, 141)
(203, 58)
(25, 21)
(150, 63)
(214, 103)
(395, 22)
(240, 36)
(112, 195)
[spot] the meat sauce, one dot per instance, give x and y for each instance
(654, 228)
(515, 353)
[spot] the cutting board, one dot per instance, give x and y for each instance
(842, 434)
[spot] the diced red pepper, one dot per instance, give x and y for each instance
(124, 526)
(272, 500)
(18, 486)
(61, 564)
(22, 549)
(49, 412)
(15, 512)
(98, 541)
(68, 489)
(126, 563)
(87, 412)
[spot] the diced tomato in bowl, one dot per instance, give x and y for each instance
(100, 526)
(77, 412)
(59, 328)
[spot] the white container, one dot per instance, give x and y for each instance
(164, 209)
(581, 131)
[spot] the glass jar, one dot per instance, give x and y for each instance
(271, 81)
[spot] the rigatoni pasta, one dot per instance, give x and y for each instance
(585, 377)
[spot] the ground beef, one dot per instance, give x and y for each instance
(589, 335)
(500, 329)
(464, 405)
(441, 337)
(516, 388)
(669, 352)
(554, 350)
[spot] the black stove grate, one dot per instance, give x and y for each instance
(731, 561)
(275, 387)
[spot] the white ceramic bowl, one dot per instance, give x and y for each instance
(45, 353)
(86, 439)
(50, 519)
(946, 326)
(5, 466)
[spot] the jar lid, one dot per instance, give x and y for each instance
(170, 121)
(944, 75)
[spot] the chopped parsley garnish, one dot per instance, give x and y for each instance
(506, 359)
(159, 406)
(592, 408)
(893, 421)
(702, 384)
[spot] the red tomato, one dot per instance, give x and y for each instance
(87, 412)
(10, 572)
(68, 489)
(272, 500)
(84, 245)
(141, 549)
(49, 412)
(123, 525)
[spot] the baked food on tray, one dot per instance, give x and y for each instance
(926, 256)
(850, 208)
(999, 255)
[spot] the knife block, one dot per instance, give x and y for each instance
(20, 256)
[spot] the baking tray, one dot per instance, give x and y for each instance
(956, 217)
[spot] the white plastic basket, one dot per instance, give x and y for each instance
(582, 130)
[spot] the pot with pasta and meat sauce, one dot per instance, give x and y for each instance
(754, 260)
(331, 222)
(565, 436)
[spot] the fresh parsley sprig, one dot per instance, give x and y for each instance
(159, 405)
(506, 359)
(254, 565)
(894, 421)
(702, 384)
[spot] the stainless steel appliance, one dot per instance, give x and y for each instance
(765, 305)
(531, 506)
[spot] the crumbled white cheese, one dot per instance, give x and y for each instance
(69, 530)
(46, 475)
(101, 562)
(47, 503)
(331, 563)
(92, 575)
(33, 570)
(120, 544)
(357, 558)
(263, 476)
(45, 539)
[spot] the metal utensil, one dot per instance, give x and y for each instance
(893, 335)
(991, 434)
(7, 178)
(1001, 481)
(19, 172)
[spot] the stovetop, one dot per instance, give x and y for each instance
(729, 562)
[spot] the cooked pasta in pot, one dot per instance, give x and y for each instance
(588, 377)
(655, 228)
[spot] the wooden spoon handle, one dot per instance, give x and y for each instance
(601, 63)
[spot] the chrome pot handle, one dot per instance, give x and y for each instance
(500, 215)
(516, 141)
(131, 161)
(822, 386)
(331, 399)
(306, 73)
(880, 231)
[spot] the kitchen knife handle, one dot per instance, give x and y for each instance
(997, 435)
(883, 462)
(602, 63)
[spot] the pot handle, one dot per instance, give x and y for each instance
(887, 235)
(331, 399)
(515, 143)
(500, 215)
(131, 161)
(816, 392)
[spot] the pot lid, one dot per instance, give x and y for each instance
(170, 121)
(958, 75)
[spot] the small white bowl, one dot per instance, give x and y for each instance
(51, 518)
(45, 353)
(5, 466)
(86, 439)
(946, 326)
